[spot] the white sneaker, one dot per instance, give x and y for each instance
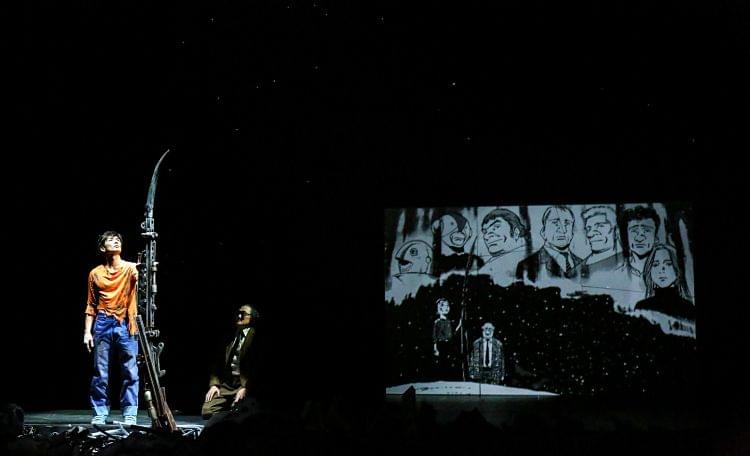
(99, 420)
(130, 419)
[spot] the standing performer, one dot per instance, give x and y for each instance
(111, 308)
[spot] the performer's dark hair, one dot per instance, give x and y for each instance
(107, 234)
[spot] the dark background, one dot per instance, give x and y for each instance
(293, 124)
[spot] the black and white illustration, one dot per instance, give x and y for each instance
(554, 259)
(558, 299)
(503, 234)
(452, 233)
(487, 362)
(445, 341)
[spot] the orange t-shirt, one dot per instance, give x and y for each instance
(115, 294)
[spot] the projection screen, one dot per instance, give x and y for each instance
(544, 299)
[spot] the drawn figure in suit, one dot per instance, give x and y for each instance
(487, 362)
(554, 259)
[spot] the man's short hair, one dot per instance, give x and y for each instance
(639, 213)
(606, 211)
(509, 216)
(488, 324)
(108, 234)
(559, 207)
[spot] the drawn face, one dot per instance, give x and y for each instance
(641, 234)
(488, 331)
(451, 235)
(112, 245)
(444, 308)
(497, 235)
(558, 230)
(414, 257)
(662, 270)
(600, 233)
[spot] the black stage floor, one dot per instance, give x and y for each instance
(551, 412)
(61, 420)
(595, 415)
(437, 424)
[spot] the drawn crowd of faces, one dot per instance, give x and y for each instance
(579, 249)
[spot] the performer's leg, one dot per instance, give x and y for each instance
(452, 363)
(486, 376)
(214, 406)
(128, 351)
(437, 364)
(495, 375)
(220, 403)
(99, 392)
(442, 362)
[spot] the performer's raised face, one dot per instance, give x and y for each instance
(111, 245)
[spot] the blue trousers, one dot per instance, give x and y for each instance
(110, 334)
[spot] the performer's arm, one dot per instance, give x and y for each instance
(213, 392)
(241, 393)
(133, 304)
(244, 381)
(501, 359)
(434, 338)
(88, 338)
(90, 311)
(213, 383)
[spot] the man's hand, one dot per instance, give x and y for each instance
(239, 396)
(212, 393)
(88, 340)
